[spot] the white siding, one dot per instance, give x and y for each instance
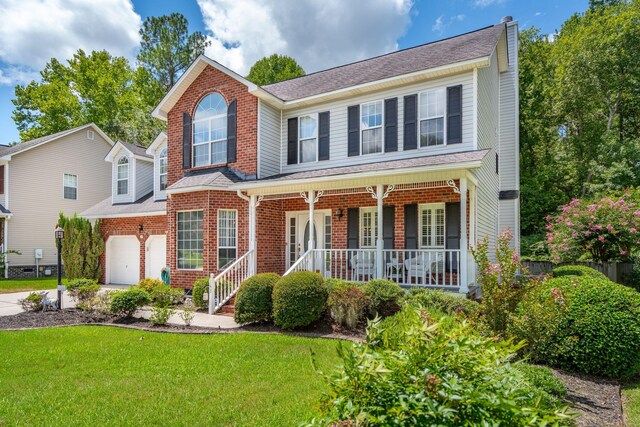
(509, 139)
(36, 191)
(488, 182)
(122, 198)
(157, 194)
(338, 125)
(144, 178)
(269, 142)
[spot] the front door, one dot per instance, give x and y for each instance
(299, 230)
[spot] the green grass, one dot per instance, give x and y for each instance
(21, 285)
(112, 377)
(631, 403)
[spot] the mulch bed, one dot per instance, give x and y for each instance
(596, 400)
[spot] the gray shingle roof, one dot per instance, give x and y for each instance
(473, 45)
(16, 148)
(220, 177)
(144, 205)
(136, 149)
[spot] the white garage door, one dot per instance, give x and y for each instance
(123, 260)
(156, 256)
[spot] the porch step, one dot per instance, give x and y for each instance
(229, 308)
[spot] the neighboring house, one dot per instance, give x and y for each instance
(64, 172)
(389, 167)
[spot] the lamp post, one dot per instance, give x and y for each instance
(59, 233)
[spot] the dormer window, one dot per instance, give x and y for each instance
(210, 131)
(123, 176)
(162, 165)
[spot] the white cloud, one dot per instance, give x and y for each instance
(438, 25)
(441, 24)
(34, 31)
(13, 75)
(486, 3)
(317, 34)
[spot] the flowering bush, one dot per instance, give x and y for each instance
(607, 229)
(501, 290)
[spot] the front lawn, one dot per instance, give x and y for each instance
(21, 285)
(631, 403)
(111, 376)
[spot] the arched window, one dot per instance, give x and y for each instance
(123, 176)
(210, 131)
(162, 160)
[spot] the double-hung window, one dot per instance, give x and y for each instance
(122, 176)
(210, 131)
(368, 227)
(432, 226)
(189, 240)
(432, 117)
(162, 166)
(70, 186)
(371, 125)
(227, 237)
(308, 136)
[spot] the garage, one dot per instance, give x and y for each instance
(123, 260)
(156, 255)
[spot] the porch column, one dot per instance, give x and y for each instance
(380, 239)
(462, 274)
(253, 205)
(312, 202)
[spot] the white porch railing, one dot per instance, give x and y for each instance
(437, 268)
(225, 285)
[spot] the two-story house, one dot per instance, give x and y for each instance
(389, 167)
(63, 172)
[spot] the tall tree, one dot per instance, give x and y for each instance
(94, 87)
(167, 48)
(273, 69)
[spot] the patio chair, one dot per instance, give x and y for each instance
(48, 303)
(424, 268)
(363, 266)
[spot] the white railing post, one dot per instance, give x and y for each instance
(462, 270)
(211, 297)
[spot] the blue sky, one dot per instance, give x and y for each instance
(332, 32)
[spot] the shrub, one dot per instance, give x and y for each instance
(200, 286)
(330, 283)
(298, 299)
(32, 302)
(430, 375)
(347, 304)
(148, 284)
(160, 315)
(101, 303)
(126, 303)
(445, 302)
(188, 312)
(84, 294)
(582, 323)
(577, 270)
(385, 297)
(164, 295)
(72, 285)
(253, 301)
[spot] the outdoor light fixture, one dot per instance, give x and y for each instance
(339, 213)
(140, 228)
(59, 235)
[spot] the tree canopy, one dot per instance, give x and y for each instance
(273, 69)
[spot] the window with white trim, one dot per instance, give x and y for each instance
(122, 176)
(189, 240)
(432, 222)
(308, 135)
(371, 125)
(432, 117)
(210, 131)
(70, 186)
(227, 237)
(368, 227)
(162, 169)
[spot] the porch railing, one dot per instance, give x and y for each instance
(437, 268)
(225, 285)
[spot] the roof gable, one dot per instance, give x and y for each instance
(157, 143)
(134, 151)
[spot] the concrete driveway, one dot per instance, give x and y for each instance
(9, 303)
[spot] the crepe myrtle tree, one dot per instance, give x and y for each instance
(606, 229)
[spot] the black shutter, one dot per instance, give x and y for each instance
(354, 130)
(292, 141)
(411, 226)
(353, 228)
(323, 136)
(452, 232)
(388, 226)
(186, 141)
(391, 125)
(410, 140)
(232, 140)
(454, 114)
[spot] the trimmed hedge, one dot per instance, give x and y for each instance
(147, 284)
(126, 303)
(347, 304)
(385, 296)
(577, 270)
(298, 299)
(581, 323)
(444, 302)
(199, 288)
(253, 301)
